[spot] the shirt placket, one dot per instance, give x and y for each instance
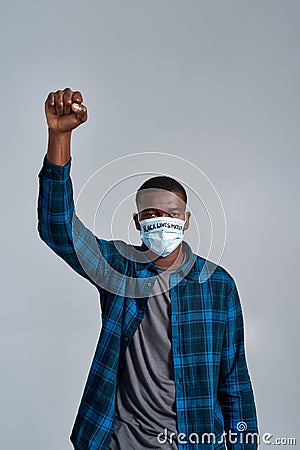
(135, 313)
(176, 351)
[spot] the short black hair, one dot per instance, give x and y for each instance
(165, 183)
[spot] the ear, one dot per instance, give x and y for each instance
(187, 220)
(136, 221)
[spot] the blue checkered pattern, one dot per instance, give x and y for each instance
(213, 387)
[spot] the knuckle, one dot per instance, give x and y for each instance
(68, 93)
(50, 97)
(68, 98)
(77, 94)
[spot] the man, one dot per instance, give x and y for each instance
(169, 370)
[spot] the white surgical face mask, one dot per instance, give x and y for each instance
(162, 235)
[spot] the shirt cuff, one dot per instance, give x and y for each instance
(55, 172)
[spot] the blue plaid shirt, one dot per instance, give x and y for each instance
(213, 387)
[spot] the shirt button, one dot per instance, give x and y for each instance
(126, 339)
(149, 284)
(49, 170)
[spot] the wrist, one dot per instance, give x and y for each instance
(59, 144)
(56, 134)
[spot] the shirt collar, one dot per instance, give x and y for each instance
(188, 270)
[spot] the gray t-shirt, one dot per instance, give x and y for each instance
(145, 396)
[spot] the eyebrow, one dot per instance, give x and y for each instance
(158, 209)
(150, 209)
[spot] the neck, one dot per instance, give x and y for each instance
(173, 260)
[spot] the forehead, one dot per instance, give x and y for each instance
(160, 199)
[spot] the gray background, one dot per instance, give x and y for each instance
(216, 82)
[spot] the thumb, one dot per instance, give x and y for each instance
(80, 111)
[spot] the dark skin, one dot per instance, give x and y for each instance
(65, 111)
(161, 203)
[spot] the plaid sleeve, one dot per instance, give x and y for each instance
(235, 392)
(61, 229)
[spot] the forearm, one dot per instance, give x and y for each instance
(59, 147)
(55, 204)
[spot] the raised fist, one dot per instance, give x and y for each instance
(64, 110)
